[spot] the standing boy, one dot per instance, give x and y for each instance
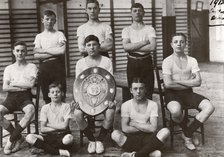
(94, 59)
(139, 40)
(95, 27)
(181, 74)
(18, 80)
(54, 121)
(49, 49)
(139, 123)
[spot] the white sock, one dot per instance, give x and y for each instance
(64, 152)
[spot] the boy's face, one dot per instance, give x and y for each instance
(49, 21)
(92, 47)
(20, 52)
(92, 10)
(137, 14)
(55, 94)
(178, 44)
(138, 91)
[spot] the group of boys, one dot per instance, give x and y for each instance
(139, 134)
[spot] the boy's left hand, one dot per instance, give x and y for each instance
(74, 105)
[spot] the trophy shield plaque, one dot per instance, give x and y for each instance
(92, 89)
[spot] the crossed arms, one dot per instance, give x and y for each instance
(47, 127)
(144, 47)
(129, 126)
(194, 81)
(40, 53)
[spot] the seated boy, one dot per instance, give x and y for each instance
(94, 59)
(18, 80)
(54, 121)
(180, 74)
(139, 123)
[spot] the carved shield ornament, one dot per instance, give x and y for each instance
(93, 88)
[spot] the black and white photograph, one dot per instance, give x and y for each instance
(111, 78)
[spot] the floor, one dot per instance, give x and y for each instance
(212, 87)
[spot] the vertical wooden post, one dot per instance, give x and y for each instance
(112, 27)
(189, 26)
(67, 65)
(38, 16)
(10, 27)
(168, 26)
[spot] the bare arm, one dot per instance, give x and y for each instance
(170, 84)
(45, 128)
(149, 47)
(81, 46)
(59, 126)
(28, 85)
(41, 53)
(107, 44)
(195, 81)
(126, 127)
(149, 127)
(131, 47)
(9, 88)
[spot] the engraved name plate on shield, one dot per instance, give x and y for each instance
(93, 88)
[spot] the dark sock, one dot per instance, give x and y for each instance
(103, 133)
(183, 126)
(46, 147)
(152, 145)
(88, 133)
(16, 134)
(10, 128)
(193, 127)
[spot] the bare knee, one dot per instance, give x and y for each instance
(2, 112)
(31, 139)
(207, 107)
(115, 135)
(118, 137)
(163, 134)
(155, 153)
(175, 109)
(68, 139)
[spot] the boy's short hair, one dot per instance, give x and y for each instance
(179, 34)
(48, 13)
(19, 43)
(91, 38)
(92, 1)
(138, 80)
(55, 84)
(137, 5)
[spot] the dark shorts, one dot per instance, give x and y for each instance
(54, 139)
(187, 98)
(16, 101)
(135, 142)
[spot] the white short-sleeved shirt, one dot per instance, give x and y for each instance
(51, 117)
(169, 67)
(24, 76)
(49, 40)
(105, 63)
(138, 35)
(102, 31)
(128, 111)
